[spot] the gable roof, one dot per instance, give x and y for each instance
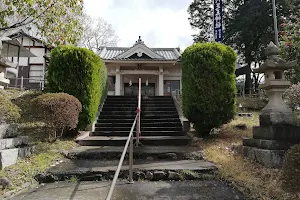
(140, 52)
(22, 33)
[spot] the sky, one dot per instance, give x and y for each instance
(160, 23)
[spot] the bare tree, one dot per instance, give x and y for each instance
(97, 33)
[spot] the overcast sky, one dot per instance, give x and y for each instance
(161, 23)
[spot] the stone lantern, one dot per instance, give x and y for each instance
(278, 130)
(276, 111)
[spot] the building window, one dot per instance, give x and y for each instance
(36, 73)
(171, 86)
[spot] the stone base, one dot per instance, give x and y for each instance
(268, 144)
(268, 158)
(277, 132)
(10, 156)
(269, 118)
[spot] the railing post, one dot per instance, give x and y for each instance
(138, 126)
(131, 159)
(22, 82)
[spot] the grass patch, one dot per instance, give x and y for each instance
(45, 155)
(251, 178)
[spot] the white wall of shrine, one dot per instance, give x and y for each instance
(126, 74)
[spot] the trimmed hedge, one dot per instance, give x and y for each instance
(208, 85)
(81, 73)
(291, 170)
(58, 110)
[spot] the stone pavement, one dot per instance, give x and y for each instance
(162, 190)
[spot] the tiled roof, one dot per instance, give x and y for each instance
(111, 53)
(167, 53)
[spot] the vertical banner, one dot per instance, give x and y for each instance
(218, 27)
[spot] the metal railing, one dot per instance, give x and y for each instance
(26, 83)
(129, 141)
(138, 126)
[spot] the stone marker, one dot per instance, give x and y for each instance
(278, 129)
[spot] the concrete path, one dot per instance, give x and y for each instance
(184, 190)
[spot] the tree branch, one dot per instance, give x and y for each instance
(23, 22)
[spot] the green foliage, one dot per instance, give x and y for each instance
(56, 21)
(81, 73)
(58, 110)
(9, 112)
(292, 96)
(209, 87)
(291, 170)
(290, 45)
(252, 103)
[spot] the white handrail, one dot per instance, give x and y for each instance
(138, 127)
(129, 140)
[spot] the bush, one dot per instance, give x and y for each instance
(252, 103)
(292, 96)
(59, 110)
(9, 112)
(291, 170)
(81, 73)
(208, 85)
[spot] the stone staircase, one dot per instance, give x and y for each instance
(160, 123)
(164, 155)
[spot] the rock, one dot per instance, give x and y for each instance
(149, 158)
(215, 131)
(45, 178)
(9, 143)
(26, 185)
(172, 156)
(159, 175)
(5, 183)
(25, 152)
(8, 130)
(197, 155)
(139, 176)
(173, 176)
(149, 175)
(8, 157)
(241, 126)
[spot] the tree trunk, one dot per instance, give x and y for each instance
(248, 82)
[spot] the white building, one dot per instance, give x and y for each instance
(30, 69)
(158, 68)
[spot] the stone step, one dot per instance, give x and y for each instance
(91, 170)
(143, 124)
(119, 108)
(133, 112)
(117, 117)
(145, 140)
(142, 152)
(144, 133)
(160, 116)
(120, 103)
(143, 120)
(127, 128)
(124, 108)
(268, 144)
(277, 132)
(141, 190)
